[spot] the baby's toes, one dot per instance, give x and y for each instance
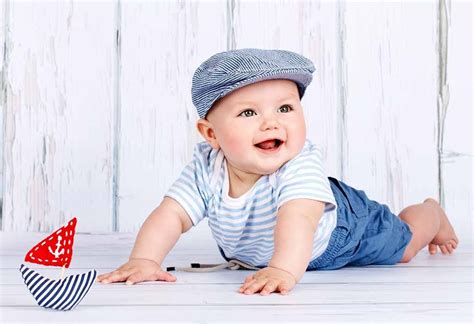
(453, 243)
(449, 247)
(432, 248)
(444, 249)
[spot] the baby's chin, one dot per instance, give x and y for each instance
(268, 169)
(265, 166)
(266, 172)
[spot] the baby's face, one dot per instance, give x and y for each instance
(259, 127)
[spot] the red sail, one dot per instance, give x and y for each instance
(56, 249)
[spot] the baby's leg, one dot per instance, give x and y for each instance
(430, 226)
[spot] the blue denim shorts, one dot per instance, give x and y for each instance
(366, 232)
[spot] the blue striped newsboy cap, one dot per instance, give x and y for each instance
(225, 72)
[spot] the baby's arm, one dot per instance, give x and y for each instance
(297, 221)
(157, 236)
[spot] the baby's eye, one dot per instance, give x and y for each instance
(247, 113)
(285, 109)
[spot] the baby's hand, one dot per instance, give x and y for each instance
(136, 270)
(268, 280)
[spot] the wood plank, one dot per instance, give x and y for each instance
(107, 251)
(400, 292)
(18, 243)
(459, 195)
(390, 116)
(412, 312)
(183, 260)
(163, 42)
(455, 106)
(59, 108)
(165, 293)
(3, 55)
(345, 275)
(305, 30)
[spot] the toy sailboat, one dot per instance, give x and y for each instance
(56, 250)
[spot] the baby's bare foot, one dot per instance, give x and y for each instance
(446, 238)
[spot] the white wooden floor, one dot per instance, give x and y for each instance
(430, 288)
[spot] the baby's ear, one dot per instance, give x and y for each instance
(206, 129)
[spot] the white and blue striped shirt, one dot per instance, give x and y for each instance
(243, 227)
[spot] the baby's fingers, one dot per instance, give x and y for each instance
(164, 276)
(253, 286)
(270, 287)
(284, 288)
(115, 276)
(249, 278)
(157, 276)
(102, 276)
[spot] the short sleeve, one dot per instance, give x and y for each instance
(189, 190)
(304, 178)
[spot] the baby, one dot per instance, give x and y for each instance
(262, 186)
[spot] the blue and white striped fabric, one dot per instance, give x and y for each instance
(61, 294)
(243, 227)
(227, 71)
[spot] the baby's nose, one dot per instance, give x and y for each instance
(268, 124)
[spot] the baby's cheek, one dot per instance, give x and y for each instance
(234, 149)
(235, 144)
(298, 136)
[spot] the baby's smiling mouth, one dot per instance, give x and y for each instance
(269, 144)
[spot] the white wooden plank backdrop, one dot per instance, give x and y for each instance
(59, 115)
(99, 119)
(306, 27)
(161, 45)
(395, 100)
(456, 120)
(3, 24)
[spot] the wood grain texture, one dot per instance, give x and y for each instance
(340, 313)
(98, 118)
(3, 54)
(162, 43)
(401, 292)
(361, 275)
(309, 28)
(390, 90)
(60, 99)
(456, 118)
(161, 293)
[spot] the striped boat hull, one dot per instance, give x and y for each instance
(61, 294)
